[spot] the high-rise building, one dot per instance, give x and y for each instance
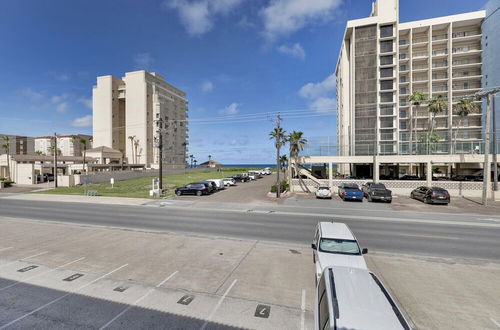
(127, 114)
(491, 49)
(383, 61)
(18, 145)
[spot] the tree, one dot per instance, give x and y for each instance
(463, 108)
(279, 135)
(38, 153)
(83, 143)
(283, 162)
(209, 158)
(136, 145)
(132, 138)
(6, 147)
(436, 105)
(191, 157)
(121, 158)
(416, 100)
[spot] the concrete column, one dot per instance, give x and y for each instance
(330, 175)
(429, 174)
(376, 170)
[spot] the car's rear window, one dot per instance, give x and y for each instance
(377, 186)
(324, 188)
(331, 245)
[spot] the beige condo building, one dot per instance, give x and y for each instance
(127, 114)
(382, 62)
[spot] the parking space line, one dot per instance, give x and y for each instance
(61, 297)
(429, 236)
(303, 310)
(7, 248)
(43, 273)
(495, 322)
(13, 262)
(209, 318)
(138, 300)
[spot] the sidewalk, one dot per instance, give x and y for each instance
(79, 199)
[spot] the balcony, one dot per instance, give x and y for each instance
(465, 87)
(440, 52)
(417, 55)
(439, 38)
(420, 67)
(420, 79)
(437, 89)
(467, 35)
(420, 40)
(467, 63)
(465, 50)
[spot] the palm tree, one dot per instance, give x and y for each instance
(132, 138)
(38, 153)
(279, 135)
(121, 158)
(209, 158)
(83, 142)
(6, 147)
(463, 108)
(416, 100)
(283, 162)
(191, 157)
(136, 145)
(436, 105)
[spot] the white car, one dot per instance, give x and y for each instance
(267, 171)
(323, 192)
(335, 245)
(229, 182)
(218, 182)
(251, 176)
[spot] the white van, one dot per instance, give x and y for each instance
(218, 182)
(354, 298)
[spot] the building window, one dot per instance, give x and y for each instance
(386, 97)
(386, 72)
(386, 60)
(403, 67)
(386, 85)
(402, 125)
(386, 31)
(403, 91)
(402, 57)
(386, 46)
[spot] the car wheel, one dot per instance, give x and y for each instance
(198, 193)
(370, 198)
(426, 201)
(178, 193)
(389, 201)
(412, 196)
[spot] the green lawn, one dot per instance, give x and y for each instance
(139, 188)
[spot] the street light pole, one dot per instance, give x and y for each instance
(55, 160)
(495, 147)
(160, 154)
(486, 165)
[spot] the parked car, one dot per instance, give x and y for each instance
(376, 192)
(251, 176)
(46, 177)
(431, 195)
(210, 187)
(256, 174)
(241, 178)
(229, 182)
(214, 185)
(335, 245)
(409, 177)
(323, 192)
(218, 182)
(266, 171)
(354, 298)
(350, 191)
(197, 189)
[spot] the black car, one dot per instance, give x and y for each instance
(376, 192)
(210, 187)
(241, 178)
(46, 177)
(197, 189)
(431, 195)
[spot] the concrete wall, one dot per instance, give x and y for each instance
(404, 188)
(125, 175)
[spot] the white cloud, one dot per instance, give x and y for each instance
(62, 107)
(86, 102)
(143, 61)
(32, 95)
(321, 95)
(198, 16)
(207, 86)
(295, 50)
(84, 121)
(61, 76)
(230, 110)
(283, 17)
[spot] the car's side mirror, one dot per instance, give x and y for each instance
(364, 251)
(313, 246)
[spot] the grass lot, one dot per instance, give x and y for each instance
(139, 188)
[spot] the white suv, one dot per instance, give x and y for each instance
(335, 245)
(323, 192)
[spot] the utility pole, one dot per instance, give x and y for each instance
(55, 160)
(160, 153)
(278, 146)
(495, 147)
(486, 166)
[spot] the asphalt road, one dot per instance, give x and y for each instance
(393, 232)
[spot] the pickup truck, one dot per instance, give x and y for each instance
(350, 191)
(376, 192)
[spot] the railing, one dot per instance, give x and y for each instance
(466, 74)
(440, 89)
(420, 54)
(440, 52)
(466, 34)
(439, 65)
(440, 37)
(464, 62)
(420, 78)
(419, 40)
(466, 87)
(439, 76)
(465, 49)
(420, 67)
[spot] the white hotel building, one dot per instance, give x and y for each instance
(382, 62)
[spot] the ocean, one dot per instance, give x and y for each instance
(248, 165)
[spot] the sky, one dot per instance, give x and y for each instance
(239, 61)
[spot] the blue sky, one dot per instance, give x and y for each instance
(239, 58)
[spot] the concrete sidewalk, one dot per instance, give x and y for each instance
(78, 199)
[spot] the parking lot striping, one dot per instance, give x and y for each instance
(495, 322)
(33, 256)
(6, 248)
(303, 310)
(138, 300)
(211, 315)
(40, 274)
(61, 297)
(429, 236)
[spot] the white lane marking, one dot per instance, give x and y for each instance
(40, 274)
(7, 248)
(209, 318)
(138, 301)
(429, 236)
(303, 310)
(495, 322)
(61, 297)
(13, 262)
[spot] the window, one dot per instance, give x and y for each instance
(386, 46)
(386, 85)
(386, 72)
(402, 79)
(403, 91)
(403, 67)
(339, 246)
(386, 31)
(386, 97)
(402, 125)
(386, 60)
(402, 114)
(402, 57)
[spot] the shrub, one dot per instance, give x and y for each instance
(283, 187)
(7, 183)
